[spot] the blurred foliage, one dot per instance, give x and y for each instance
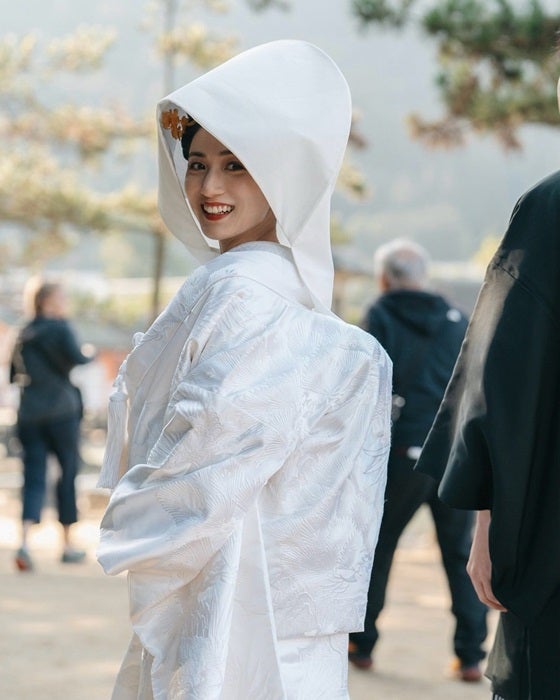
(121, 311)
(90, 130)
(387, 12)
(83, 50)
(352, 182)
(486, 250)
(339, 233)
(497, 64)
(265, 4)
(58, 141)
(51, 146)
(195, 43)
(46, 150)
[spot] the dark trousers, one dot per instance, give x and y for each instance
(406, 491)
(38, 439)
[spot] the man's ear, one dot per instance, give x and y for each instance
(383, 282)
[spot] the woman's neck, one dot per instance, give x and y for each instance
(264, 231)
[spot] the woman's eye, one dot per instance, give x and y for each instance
(195, 165)
(235, 165)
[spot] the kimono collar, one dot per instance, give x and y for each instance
(272, 265)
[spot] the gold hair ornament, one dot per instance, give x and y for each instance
(171, 120)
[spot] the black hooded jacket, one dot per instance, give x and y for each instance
(45, 353)
(422, 334)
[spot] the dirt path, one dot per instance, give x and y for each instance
(65, 627)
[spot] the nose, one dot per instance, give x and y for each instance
(212, 183)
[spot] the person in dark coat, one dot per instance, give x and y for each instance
(49, 414)
(422, 334)
(495, 446)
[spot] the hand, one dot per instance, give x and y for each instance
(89, 350)
(479, 566)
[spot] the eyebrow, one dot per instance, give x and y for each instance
(199, 154)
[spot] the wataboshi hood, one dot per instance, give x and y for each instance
(284, 110)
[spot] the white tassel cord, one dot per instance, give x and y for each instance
(117, 417)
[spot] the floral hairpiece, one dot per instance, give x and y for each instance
(171, 120)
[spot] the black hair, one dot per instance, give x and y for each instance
(187, 137)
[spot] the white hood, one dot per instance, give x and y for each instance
(284, 110)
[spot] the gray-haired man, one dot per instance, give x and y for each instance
(422, 334)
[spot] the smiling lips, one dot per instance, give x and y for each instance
(214, 211)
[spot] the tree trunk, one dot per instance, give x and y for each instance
(170, 12)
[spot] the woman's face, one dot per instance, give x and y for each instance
(55, 305)
(226, 200)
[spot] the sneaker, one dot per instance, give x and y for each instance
(468, 673)
(361, 661)
(72, 556)
(23, 561)
(358, 658)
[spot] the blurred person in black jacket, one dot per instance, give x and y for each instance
(49, 414)
(422, 334)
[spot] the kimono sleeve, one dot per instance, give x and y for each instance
(230, 425)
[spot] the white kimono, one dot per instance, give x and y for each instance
(251, 495)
